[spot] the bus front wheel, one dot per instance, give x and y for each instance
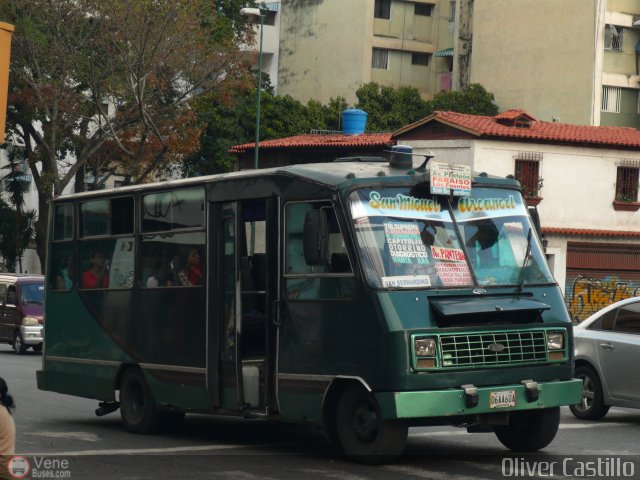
(364, 435)
(137, 407)
(530, 431)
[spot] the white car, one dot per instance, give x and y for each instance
(607, 347)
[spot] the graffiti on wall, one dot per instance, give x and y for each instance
(590, 294)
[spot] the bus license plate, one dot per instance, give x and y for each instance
(502, 399)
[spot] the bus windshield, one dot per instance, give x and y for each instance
(410, 239)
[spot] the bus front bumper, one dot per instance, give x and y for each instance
(450, 402)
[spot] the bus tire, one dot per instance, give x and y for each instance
(531, 430)
(363, 434)
(591, 406)
(137, 406)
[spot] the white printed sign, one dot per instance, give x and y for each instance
(450, 178)
(454, 274)
(121, 266)
(406, 281)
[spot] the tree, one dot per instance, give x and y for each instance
(390, 108)
(109, 84)
(20, 230)
(474, 100)
(232, 120)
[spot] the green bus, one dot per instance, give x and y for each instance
(344, 294)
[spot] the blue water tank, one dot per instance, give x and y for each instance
(354, 121)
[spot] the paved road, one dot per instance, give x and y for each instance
(208, 447)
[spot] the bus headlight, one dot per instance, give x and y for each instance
(424, 347)
(555, 341)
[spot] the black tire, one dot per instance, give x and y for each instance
(531, 430)
(37, 348)
(18, 344)
(137, 407)
(363, 434)
(591, 406)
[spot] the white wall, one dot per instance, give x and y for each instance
(579, 183)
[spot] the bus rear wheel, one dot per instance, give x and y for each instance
(530, 431)
(364, 435)
(137, 407)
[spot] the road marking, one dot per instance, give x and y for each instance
(140, 451)
(326, 472)
(430, 474)
(567, 426)
(84, 436)
(239, 474)
(203, 448)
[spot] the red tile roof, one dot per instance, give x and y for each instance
(321, 141)
(483, 126)
(590, 232)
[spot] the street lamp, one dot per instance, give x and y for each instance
(257, 12)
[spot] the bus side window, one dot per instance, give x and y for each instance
(333, 279)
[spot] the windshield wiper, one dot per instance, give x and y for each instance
(524, 263)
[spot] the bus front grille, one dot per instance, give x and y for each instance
(496, 348)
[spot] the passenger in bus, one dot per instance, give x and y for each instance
(191, 273)
(64, 275)
(97, 275)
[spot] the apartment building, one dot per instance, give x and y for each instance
(270, 39)
(329, 48)
(573, 61)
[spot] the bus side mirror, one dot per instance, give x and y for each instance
(535, 218)
(316, 237)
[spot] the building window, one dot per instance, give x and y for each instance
(423, 9)
(452, 11)
(528, 173)
(380, 58)
(270, 18)
(420, 58)
(611, 99)
(613, 38)
(627, 183)
(382, 9)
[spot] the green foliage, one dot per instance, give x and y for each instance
(474, 100)
(389, 108)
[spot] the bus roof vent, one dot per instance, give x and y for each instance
(401, 156)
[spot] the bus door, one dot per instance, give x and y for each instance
(241, 363)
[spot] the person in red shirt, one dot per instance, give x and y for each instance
(96, 276)
(191, 274)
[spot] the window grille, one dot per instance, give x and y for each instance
(528, 173)
(613, 38)
(611, 99)
(380, 58)
(627, 184)
(382, 9)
